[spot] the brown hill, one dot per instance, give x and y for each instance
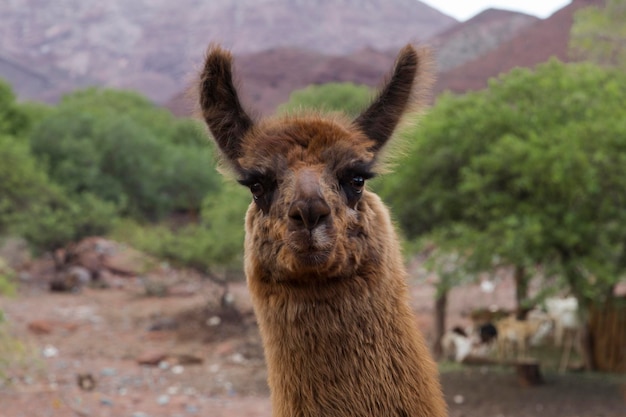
(36, 80)
(533, 45)
(477, 36)
(268, 77)
(151, 45)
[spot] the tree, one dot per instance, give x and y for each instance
(526, 173)
(124, 150)
(33, 207)
(22, 182)
(598, 34)
(13, 121)
(217, 239)
(59, 221)
(346, 97)
(222, 215)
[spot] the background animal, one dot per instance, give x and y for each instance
(515, 336)
(457, 343)
(565, 316)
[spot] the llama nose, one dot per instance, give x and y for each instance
(308, 208)
(308, 213)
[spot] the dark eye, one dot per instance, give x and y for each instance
(357, 182)
(257, 190)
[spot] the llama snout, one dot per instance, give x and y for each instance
(308, 214)
(310, 237)
(308, 208)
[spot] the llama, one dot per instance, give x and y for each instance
(322, 259)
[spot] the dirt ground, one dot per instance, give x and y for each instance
(119, 352)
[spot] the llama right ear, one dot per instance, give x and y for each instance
(404, 91)
(220, 105)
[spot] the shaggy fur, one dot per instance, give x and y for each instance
(322, 258)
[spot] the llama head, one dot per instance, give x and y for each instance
(312, 217)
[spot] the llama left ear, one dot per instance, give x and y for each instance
(405, 90)
(220, 105)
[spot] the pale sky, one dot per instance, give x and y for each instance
(465, 9)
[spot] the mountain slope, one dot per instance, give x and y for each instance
(533, 45)
(152, 45)
(476, 36)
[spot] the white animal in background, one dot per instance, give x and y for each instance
(458, 344)
(564, 313)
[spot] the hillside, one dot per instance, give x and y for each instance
(155, 46)
(268, 77)
(476, 36)
(535, 44)
(152, 45)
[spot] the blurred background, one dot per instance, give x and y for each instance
(121, 283)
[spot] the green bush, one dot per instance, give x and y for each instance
(217, 240)
(22, 181)
(7, 281)
(343, 97)
(527, 172)
(124, 150)
(13, 120)
(40, 211)
(54, 223)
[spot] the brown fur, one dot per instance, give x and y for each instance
(322, 258)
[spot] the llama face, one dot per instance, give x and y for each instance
(307, 178)
(311, 214)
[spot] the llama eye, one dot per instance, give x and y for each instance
(357, 182)
(257, 190)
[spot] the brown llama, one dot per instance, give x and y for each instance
(322, 258)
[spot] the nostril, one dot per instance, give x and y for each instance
(309, 213)
(319, 211)
(295, 213)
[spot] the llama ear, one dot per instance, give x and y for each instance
(220, 105)
(404, 90)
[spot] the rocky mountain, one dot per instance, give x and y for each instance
(153, 45)
(476, 36)
(268, 77)
(532, 45)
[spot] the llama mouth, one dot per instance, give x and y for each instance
(313, 257)
(307, 253)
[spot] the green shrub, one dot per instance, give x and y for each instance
(124, 150)
(217, 240)
(13, 120)
(56, 222)
(22, 181)
(344, 97)
(33, 207)
(7, 281)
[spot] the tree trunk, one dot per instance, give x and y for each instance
(586, 343)
(521, 292)
(585, 338)
(529, 374)
(441, 303)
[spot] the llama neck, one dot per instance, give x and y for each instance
(350, 349)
